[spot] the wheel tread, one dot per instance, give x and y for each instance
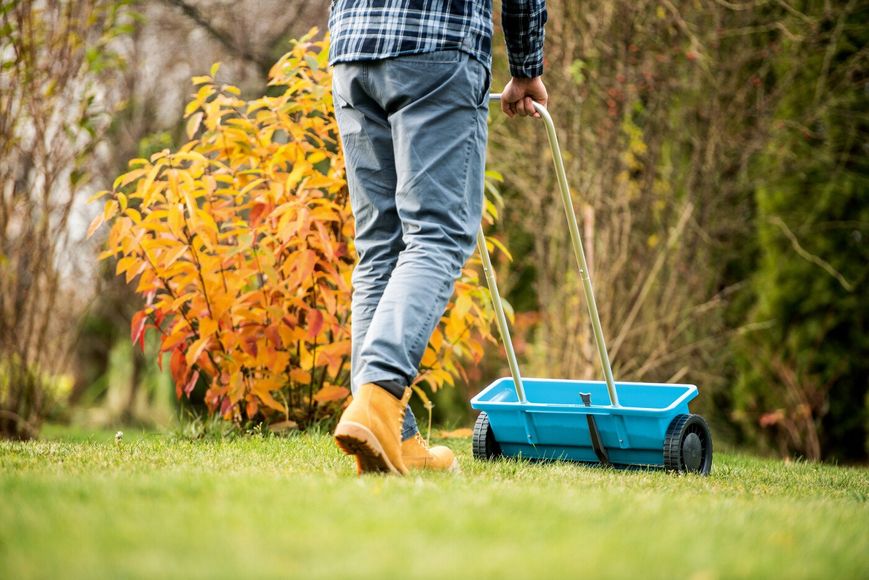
(673, 443)
(484, 446)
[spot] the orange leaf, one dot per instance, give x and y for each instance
(174, 339)
(264, 395)
(195, 350)
(207, 327)
(178, 368)
(331, 393)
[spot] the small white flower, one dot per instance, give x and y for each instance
(118, 436)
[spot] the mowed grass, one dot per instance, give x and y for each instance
(78, 506)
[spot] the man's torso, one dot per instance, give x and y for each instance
(376, 29)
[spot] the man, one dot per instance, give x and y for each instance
(411, 92)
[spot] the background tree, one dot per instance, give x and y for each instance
(803, 375)
(57, 61)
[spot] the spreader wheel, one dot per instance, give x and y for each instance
(484, 445)
(688, 445)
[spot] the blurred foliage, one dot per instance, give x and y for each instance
(58, 63)
(805, 360)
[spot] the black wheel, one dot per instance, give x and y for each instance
(485, 446)
(688, 445)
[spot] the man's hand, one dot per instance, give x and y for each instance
(517, 97)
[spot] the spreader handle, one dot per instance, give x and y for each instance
(576, 240)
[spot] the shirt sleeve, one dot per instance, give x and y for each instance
(523, 22)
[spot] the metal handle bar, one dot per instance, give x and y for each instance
(576, 240)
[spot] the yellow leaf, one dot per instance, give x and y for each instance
(214, 68)
(174, 256)
(176, 220)
(95, 224)
(124, 264)
(98, 195)
(133, 215)
(110, 210)
(193, 124)
(128, 177)
(149, 180)
(192, 106)
(316, 157)
(496, 243)
(426, 402)
(247, 188)
(454, 328)
(463, 305)
(207, 221)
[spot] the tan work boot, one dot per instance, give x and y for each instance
(417, 455)
(370, 429)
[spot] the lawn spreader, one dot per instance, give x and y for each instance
(621, 424)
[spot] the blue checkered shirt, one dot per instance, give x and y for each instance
(376, 29)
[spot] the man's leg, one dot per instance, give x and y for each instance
(437, 106)
(370, 169)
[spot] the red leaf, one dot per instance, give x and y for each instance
(178, 367)
(137, 329)
(188, 388)
(251, 409)
(225, 406)
(315, 323)
(274, 336)
(258, 212)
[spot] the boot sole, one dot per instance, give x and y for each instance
(357, 440)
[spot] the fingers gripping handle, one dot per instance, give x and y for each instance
(576, 240)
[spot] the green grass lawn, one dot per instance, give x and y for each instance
(75, 505)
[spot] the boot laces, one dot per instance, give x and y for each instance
(421, 440)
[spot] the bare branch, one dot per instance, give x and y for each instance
(818, 261)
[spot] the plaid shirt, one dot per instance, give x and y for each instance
(376, 29)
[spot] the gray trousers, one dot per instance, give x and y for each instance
(414, 132)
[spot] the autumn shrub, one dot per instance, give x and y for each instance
(241, 243)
